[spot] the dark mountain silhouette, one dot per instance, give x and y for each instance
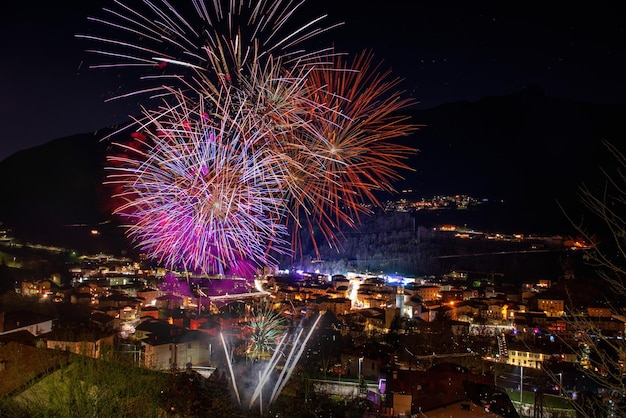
(54, 194)
(525, 149)
(500, 147)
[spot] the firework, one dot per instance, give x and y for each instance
(196, 192)
(287, 346)
(349, 155)
(266, 327)
(253, 139)
(204, 45)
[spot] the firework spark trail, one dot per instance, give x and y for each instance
(230, 369)
(297, 347)
(270, 323)
(289, 363)
(269, 366)
(292, 362)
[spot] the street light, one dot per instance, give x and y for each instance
(560, 383)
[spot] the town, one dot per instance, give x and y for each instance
(389, 345)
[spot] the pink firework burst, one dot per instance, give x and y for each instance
(196, 192)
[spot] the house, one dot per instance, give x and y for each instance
(90, 342)
(468, 310)
(21, 337)
(338, 306)
(535, 357)
(427, 314)
(496, 310)
(374, 320)
(82, 298)
(150, 311)
(415, 391)
(169, 302)
(599, 312)
(159, 327)
(147, 296)
(102, 321)
(119, 301)
(429, 293)
(381, 298)
(181, 351)
(340, 281)
(19, 320)
(90, 288)
(453, 295)
(553, 307)
(412, 307)
(360, 366)
(526, 354)
(41, 288)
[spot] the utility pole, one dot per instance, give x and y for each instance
(521, 385)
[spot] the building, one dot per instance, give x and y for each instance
(599, 312)
(40, 288)
(535, 355)
(88, 342)
(338, 306)
(553, 307)
(186, 350)
(428, 293)
(22, 320)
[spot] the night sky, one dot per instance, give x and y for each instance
(446, 51)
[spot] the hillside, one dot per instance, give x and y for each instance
(525, 149)
(53, 194)
(521, 147)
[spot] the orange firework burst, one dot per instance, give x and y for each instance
(350, 154)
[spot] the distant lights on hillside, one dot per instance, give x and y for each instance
(433, 203)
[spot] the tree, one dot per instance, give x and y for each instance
(602, 353)
(607, 206)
